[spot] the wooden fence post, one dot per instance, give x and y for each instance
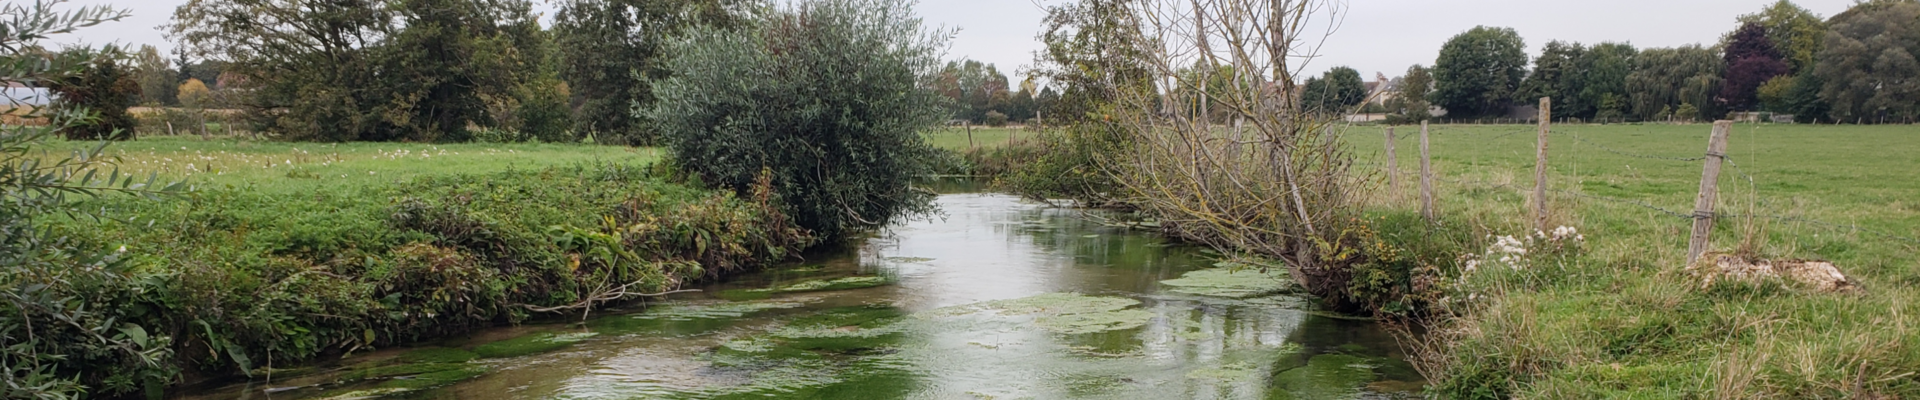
(1709, 192)
(1540, 167)
(1393, 167)
(969, 126)
(1426, 176)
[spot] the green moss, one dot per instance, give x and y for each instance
(844, 330)
(744, 294)
(1235, 372)
(1224, 282)
(437, 355)
(685, 319)
(529, 344)
(1326, 376)
(390, 371)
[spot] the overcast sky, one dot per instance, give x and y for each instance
(1384, 36)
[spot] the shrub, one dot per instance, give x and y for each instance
(783, 97)
(105, 88)
(996, 119)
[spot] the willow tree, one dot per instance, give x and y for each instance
(1277, 184)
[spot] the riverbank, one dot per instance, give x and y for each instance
(289, 252)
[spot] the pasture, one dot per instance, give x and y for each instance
(1626, 319)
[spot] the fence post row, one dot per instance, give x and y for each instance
(1540, 167)
(1426, 176)
(1709, 191)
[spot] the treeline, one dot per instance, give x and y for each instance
(979, 94)
(1856, 67)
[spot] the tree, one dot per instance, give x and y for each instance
(1803, 99)
(1868, 64)
(1556, 74)
(1796, 32)
(1751, 62)
(1479, 72)
(156, 76)
(1774, 94)
(773, 102)
(415, 70)
(1665, 78)
(106, 87)
(613, 51)
(1410, 104)
(1601, 80)
(1335, 92)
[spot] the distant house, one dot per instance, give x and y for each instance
(1382, 90)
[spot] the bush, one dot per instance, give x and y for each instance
(996, 119)
(105, 88)
(783, 97)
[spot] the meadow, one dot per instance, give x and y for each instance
(1622, 317)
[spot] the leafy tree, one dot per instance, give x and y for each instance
(972, 87)
(105, 88)
(194, 94)
(1751, 62)
(155, 75)
(775, 100)
(612, 52)
(1556, 74)
(1665, 78)
(1796, 32)
(1803, 99)
(1410, 104)
(1479, 72)
(1335, 91)
(1774, 94)
(417, 70)
(1868, 64)
(1601, 79)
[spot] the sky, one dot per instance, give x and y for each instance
(1375, 36)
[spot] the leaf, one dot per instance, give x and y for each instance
(135, 332)
(239, 357)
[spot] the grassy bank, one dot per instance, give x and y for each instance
(292, 251)
(1621, 317)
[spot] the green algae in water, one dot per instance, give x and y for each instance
(436, 379)
(437, 355)
(843, 330)
(1065, 313)
(685, 319)
(816, 285)
(530, 344)
(1326, 376)
(365, 394)
(1224, 282)
(909, 260)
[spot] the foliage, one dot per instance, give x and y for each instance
(389, 70)
(974, 90)
(1334, 92)
(612, 52)
(1602, 73)
(1557, 75)
(1088, 53)
(1751, 62)
(1479, 72)
(1796, 32)
(1667, 78)
(156, 76)
(1773, 95)
(1868, 63)
(1803, 100)
(1410, 104)
(65, 328)
(104, 90)
(842, 153)
(193, 93)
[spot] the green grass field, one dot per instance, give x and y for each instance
(231, 161)
(956, 138)
(1626, 320)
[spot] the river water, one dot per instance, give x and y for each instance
(1000, 299)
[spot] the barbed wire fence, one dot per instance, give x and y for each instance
(1739, 173)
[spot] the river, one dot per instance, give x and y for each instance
(998, 299)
